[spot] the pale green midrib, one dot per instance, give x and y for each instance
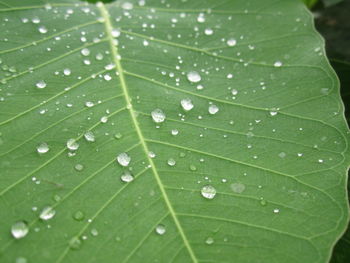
(108, 28)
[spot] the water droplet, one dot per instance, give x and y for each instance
(151, 155)
(234, 92)
(193, 76)
(208, 31)
(42, 148)
(263, 202)
(118, 135)
(89, 136)
(282, 155)
(276, 210)
(40, 84)
(115, 32)
(79, 216)
(127, 6)
(187, 104)
(273, 112)
(277, 64)
(213, 109)
(42, 29)
(94, 232)
(75, 243)
(72, 145)
(104, 119)
(201, 18)
(123, 159)
(231, 42)
(158, 115)
(127, 177)
(67, 72)
(193, 167)
(229, 76)
(47, 213)
(209, 241)
(85, 52)
(171, 162)
(174, 132)
(237, 187)
(208, 191)
(79, 167)
(160, 230)
(19, 229)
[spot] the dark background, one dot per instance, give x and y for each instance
(334, 24)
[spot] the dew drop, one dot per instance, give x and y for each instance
(187, 104)
(123, 159)
(160, 230)
(89, 136)
(42, 29)
(171, 162)
(42, 148)
(174, 132)
(158, 115)
(40, 84)
(193, 76)
(276, 210)
(79, 167)
(47, 213)
(94, 232)
(67, 72)
(277, 64)
(127, 177)
(85, 52)
(213, 109)
(21, 260)
(231, 42)
(127, 6)
(115, 32)
(208, 191)
(72, 145)
(19, 229)
(209, 241)
(237, 187)
(234, 92)
(208, 31)
(78, 215)
(89, 104)
(151, 155)
(75, 243)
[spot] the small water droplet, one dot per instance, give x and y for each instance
(42, 148)
(151, 155)
(208, 191)
(160, 230)
(174, 132)
(193, 76)
(118, 135)
(85, 52)
(89, 136)
(277, 64)
(209, 241)
(67, 71)
(79, 167)
(123, 159)
(19, 229)
(234, 92)
(42, 29)
(21, 260)
(208, 31)
(263, 202)
(237, 187)
(193, 167)
(72, 145)
(47, 213)
(40, 84)
(79, 216)
(127, 6)
(231, 42)
(94, 232)
(276, 210)
(213, 109)
(127, 177)
(187, 104)
(158, 115)
(115, 32)
(75, 243)
(171, 162)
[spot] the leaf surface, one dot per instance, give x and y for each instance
(266, 131)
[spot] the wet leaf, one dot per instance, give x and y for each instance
(168, 131)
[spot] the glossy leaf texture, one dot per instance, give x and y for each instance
(168, 131)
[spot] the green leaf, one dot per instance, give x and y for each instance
(254, 172)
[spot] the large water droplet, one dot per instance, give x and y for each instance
(277, 64)
(72, 145)
(19, 229)
(208, 191)
(42, 148)
(193, 76)
(89, 136)
(127, 177)
(123, 159)
(160, 229)
(158, 115)
(187, 104)
(40, 84)
(237, 187)
(213, 109)
(47, 213)
(231, 42)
